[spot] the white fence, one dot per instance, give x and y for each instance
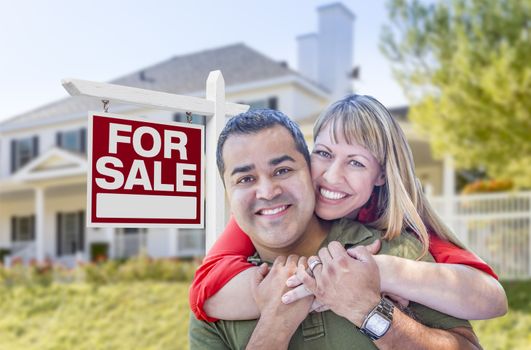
(497, 227)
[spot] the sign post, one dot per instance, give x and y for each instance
(214, 107)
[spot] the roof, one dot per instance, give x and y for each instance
(180, 75)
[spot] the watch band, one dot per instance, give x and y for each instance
(384, 309)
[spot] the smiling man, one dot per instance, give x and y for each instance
(271, 197)
(265, 165)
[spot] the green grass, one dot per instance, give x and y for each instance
(143, 315)
(512, 331)
(154, 315)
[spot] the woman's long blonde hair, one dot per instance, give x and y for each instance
(401, 201)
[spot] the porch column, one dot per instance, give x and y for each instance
(173, 242)
(449, 192)
(448, 176)
(111, 239)
(39, 223)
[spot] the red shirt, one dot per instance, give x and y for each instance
(228, 257)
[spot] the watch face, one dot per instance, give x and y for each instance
(377, 324)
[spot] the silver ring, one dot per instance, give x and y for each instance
(313, 264)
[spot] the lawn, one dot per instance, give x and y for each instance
(134, 315)
(154, 315)
(512, 331)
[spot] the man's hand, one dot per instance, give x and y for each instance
(276, 317)
(349, 285)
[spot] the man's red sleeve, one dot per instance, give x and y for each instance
(226, 259)
(446, 252)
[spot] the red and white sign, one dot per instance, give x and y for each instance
(144, 173)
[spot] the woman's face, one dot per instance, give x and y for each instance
(344, 176)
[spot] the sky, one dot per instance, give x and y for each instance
(42, 42)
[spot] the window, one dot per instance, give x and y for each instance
(23, 151)
(270, 103)
(72, 140)
(22, 228)
(130, 241)
(191, 240)
(133, 230)
(70, 232)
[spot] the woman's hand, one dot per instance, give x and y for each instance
(300, 291)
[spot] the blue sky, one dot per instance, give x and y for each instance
(44, 41)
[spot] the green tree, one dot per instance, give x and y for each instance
(465, 66)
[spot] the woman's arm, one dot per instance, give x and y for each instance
(234, 300)
(226, 259)
(457, 290)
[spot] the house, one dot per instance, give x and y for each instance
(43, 159)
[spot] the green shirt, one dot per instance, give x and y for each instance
(326, 330)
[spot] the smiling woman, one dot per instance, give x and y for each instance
(344, 175)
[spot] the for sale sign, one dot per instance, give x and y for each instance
(144, 173)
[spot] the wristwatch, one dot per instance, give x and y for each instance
(379, 320)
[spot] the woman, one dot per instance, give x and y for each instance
(363, 169)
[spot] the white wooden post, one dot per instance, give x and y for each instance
(449, 193)
(39, 223)
(215, 192)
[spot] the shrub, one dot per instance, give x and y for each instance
(139, 268)
(485, 186)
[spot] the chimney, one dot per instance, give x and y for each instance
(326, 57)
(336, 26)
(307, 55)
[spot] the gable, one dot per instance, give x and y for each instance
(51, 164)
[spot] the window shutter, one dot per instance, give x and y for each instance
(32, 228)
(272, 103)
(13, 229)
(59, 139)
(83, 140)
(13, 156)
(35, 146)
(81, 223)
(59, 223)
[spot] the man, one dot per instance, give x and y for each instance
(264, 162)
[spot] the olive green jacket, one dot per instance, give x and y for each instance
(326, 330)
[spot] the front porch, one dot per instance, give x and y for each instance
(42, 217)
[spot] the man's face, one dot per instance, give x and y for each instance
(269, 187)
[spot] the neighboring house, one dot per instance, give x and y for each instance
(43, 159)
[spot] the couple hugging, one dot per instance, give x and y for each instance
(335, 249)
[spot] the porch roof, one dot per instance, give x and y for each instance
(50, 167)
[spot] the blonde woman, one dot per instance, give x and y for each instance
(362, 168)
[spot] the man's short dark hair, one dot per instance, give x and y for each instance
(254, 121)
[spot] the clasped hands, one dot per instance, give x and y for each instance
(344, 281)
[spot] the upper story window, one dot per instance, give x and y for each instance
(72, 140)
(23, 151)
(271, 103)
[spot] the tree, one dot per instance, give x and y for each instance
(465, 66)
